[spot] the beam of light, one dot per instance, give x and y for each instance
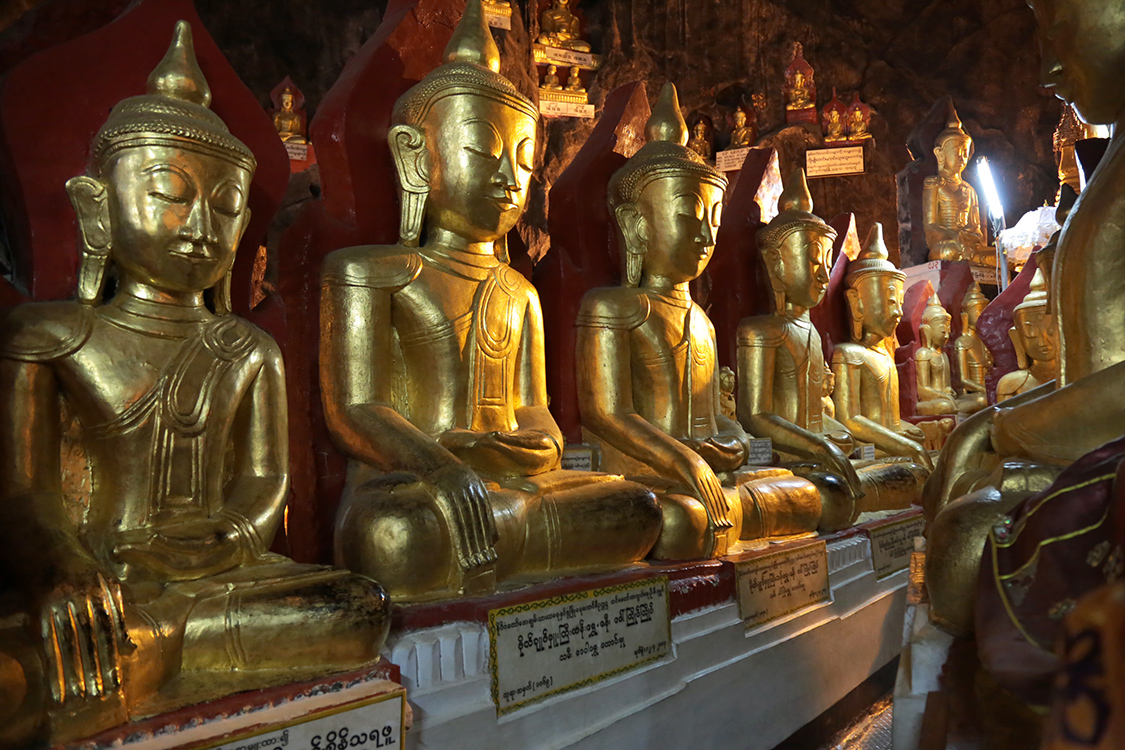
(995, 207)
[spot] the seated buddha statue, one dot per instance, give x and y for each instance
(857, 125)
(826, 389)
(931, 364)
(558, 27)
(866, 392)
(699, 142)
(142, 553)
(551, 79)
(455, 487)
(648, 380)
(287, 122)
(574, 80)
(1033, 335)
(743, 134)
(950, 210)
(799, 96)
(973, 358)
(781, 367)
(1003, 454)
(833, 126)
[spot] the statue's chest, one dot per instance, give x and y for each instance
(955, 200)
(674, 351)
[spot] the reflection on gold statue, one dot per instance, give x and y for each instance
(647, 374)
(551, 80)
(558, 27)
(1033, 335)
(1003, 454)
(287, 122)
(973, 358)
(833, 126)
(931, 365)
(781, 368)
(743, 133)
(950, 210)
(699, 142)
(866, 379)
(727, 406)
(857, 123)
(451, 488)
(143, 549)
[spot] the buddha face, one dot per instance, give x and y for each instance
(739, 119)
(287, 101)
(700, 130)
(176, 215)
(480, 158)
(801, 267)
(953, 155)
(973, 310)
(679, 218)
(858, 124)
(936, 330)
(1083, 51)
(876, 302)
(1036, 333)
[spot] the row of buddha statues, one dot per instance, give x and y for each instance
(144, 444)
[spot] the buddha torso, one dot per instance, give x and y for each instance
(977, 357)
(798, 369)
(878, 381)
(288, 125)
(955, 202)
(743, 136)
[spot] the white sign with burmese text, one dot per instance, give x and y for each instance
(779, 584)
(834, 162)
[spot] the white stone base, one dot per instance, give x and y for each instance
(724, 687)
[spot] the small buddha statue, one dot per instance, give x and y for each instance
(287, 122)
(551, 80)
(452, 489)
(833, 126)
(950, 210)
(828, 387)
(857, 124)
(931, 364)
(648, 380)
(726, 393)
(800, 96)
(1033, 335)
(973, 358)
(743, 134)
(574, 82)
(781, 366)
(144, 553)
(558, 27)
(866, 379)
(699, 142)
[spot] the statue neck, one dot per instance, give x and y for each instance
(950, 176)
(795, 311)
(664, 286)
(447, 240)
(1042, 370)
(176, 305)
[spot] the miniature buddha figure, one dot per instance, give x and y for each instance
(743, 134)
(781, 365)
(827, 388)
(699, 142)
(558, 27)
(931, 364)
(833, 126)
(866, 379)
(857, 125)
(574, 81)
(551, 80)
(452, 489)
(727, 405)
(648, 380)
(1033, 335)
(973, 358)
(145, 560)
(950, 210)
(800, 96)
(287, 122)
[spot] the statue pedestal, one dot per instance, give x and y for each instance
(369, 702)
(720, 682)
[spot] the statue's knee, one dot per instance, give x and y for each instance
(778, 506)
(838, 508)
(954, 546)
(365, 608)
(683, 532)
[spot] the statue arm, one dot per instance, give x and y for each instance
(848, 411)
(926, 390)
(967, 382)
(931, 214)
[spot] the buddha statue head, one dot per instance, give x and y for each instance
(934, 327)
(287, 100)
(1033, 330)
(953, 148)
(739, 119)
(165, 195)
(972, 305)
(463, 142)
(874, 290)
(796, 248)
(667, 201)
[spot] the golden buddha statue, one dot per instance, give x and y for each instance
(781, 367)
(974, 360)
(727, 405)
(452, 488)
(1033, 335)
(931, 364)
(699, 143)
(866, 379)
(558, 27)
(857, 125)
(827, 387)
(648, 380)
(743, 134)
(834, 125)
(574, 81)
(287, 122)
(800, 97)
(551, 80)
(1003, 454)
(143, 550)
(950, 210)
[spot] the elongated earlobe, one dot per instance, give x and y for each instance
(90, 200)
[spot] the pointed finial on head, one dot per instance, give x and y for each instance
(795, 196)
(1037, 295)
(934, 309)
(973, 295)
(666, 123)
(472, 40)
(874, 248)
(873, 258)
(954, 121)
(178, 75)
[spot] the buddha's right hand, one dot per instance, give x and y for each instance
(696, 474)
(464, 500)
(837, 463)
(81, 620)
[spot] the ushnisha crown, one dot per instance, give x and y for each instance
(796, 207)
(873, 258)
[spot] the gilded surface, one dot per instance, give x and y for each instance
(558, 27)
(432, 368)
(1033, 335)
(287, 122)
(974, 360)
(157, 589)
(950, 208)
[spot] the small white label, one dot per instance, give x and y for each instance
(373, 725)
(984, 275)
(578, 458)
(565, 109)
(760, 452)
(732, 159)
(834, 162)
(497, 21)
(297, 151)
(864, 451)
(892, 543)
(776, 585)
(543, 648)
(568, 57)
